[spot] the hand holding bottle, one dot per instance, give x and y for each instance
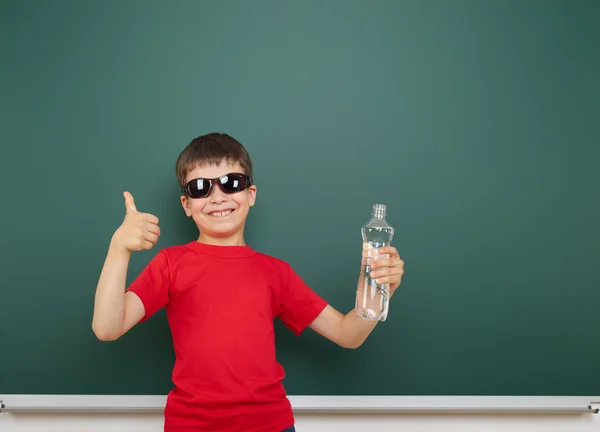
(381, 269)
(387, 267)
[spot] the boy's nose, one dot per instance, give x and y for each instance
(217, 195)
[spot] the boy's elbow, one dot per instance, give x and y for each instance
(103, 334)
(351, 343)
(355, 345)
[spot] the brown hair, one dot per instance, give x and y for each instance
(211, 149)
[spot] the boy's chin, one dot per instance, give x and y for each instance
(221, 233)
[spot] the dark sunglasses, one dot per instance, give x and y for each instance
(229, 183)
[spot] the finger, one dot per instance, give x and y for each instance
(387, 271)
(394, 278)
(374, 254)
(392, 262)
(151, 237)
(155, 229)
(388, 280)
(384, 280)
(383, 263)
(391, 250)
(129, 203)
(147, 217)
(148, 245)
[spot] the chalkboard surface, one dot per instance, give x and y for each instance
(477, 123)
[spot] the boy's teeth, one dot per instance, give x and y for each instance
(221, 213)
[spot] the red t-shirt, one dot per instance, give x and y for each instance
(221, 302)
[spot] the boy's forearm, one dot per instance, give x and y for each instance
(355, 329)
(109, 304)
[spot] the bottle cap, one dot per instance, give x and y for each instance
(379, 210)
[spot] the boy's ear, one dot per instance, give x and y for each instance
(252, 193)
(185, 203)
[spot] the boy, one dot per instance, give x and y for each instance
(221, 297)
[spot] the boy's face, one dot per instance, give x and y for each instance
(220, 217)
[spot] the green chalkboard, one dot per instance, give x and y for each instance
(476, 122)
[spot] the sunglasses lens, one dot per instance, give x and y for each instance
(234, 182)
(198, 188)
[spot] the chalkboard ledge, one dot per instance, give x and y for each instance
(316, 404)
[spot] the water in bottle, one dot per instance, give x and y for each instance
(372, 299)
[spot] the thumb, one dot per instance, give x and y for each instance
(129, 203)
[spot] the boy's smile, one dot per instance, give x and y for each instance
(220, 216)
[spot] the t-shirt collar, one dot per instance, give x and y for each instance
(221, 251)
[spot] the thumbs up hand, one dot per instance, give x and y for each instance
(139, 231)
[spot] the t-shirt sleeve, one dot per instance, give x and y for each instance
(300, 305)
(152, 285)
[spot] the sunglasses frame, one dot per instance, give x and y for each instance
(217, 181)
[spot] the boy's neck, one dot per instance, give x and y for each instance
(237, 240)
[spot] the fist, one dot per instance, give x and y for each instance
(139, 231)
(388, 268)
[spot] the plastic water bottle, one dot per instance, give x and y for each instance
(372, 299)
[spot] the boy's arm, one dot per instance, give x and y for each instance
(115, 312)
(350, 331)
